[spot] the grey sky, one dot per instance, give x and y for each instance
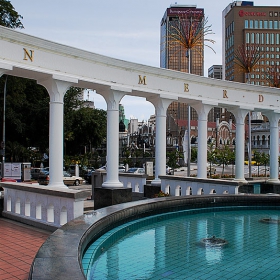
(124, 29)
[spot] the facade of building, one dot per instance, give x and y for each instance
(253, 31)
(256, 30)
(173, 55)
(215, 71)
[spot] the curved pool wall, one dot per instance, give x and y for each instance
(61, 255)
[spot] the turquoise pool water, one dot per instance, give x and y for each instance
(168, 246)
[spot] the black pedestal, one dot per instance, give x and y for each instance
(150, 191)
(104, 197)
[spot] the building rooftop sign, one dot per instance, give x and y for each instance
(176, 11)
(243, 13)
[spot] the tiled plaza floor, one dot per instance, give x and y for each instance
(19, 244)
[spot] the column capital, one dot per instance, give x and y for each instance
(273, 118)
(202, 110)
(57, 87)
(161, 104)
(240, 115)
(114, 96)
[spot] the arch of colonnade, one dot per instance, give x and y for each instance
(58, 67)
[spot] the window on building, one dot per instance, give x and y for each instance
(265, 24)
(272, 39)
(251, 24)
(256, 24)
(270, 24)
(257, 38)
(252, 38)
(248, 38)
(267, 38)
(261, 24)
(275, 24)
(277, 40)
(246, 24)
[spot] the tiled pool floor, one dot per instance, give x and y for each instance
(171, 249)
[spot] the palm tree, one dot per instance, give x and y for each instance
(187, 33)
(273, 76)
(190, 33)
(246, 57)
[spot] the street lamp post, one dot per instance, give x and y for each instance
(217, 129)
(4, 127)
(249, 145)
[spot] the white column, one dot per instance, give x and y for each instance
(113, 98)
(161, 105)
(240, 115)
(274, 146)
(202, 111)
(56, 89)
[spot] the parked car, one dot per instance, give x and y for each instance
(68, 180)
(87, 175)
(169, 170)
(121, 168)
(35, 173)
(136, 170)
(102, 168)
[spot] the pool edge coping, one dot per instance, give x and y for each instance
(60, 257)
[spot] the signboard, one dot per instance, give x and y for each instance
(149, 168)
(12, 170)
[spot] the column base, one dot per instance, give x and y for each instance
(104, 197)
(156, 182)
(273, 181)
(112, 184)
(241, 180)
(57, 185)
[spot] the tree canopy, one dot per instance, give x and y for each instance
(27, 121)
(9, 17)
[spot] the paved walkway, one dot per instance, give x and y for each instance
(19, 244)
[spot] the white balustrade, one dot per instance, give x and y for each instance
(42, 206)
(179, 186)
(134, 181)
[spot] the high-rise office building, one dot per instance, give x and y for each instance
(215, 71)
(173, 55)
(251, 29)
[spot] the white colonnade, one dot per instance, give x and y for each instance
(57, 67)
